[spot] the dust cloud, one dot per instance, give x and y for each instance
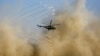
(10, 44)
(77, 35)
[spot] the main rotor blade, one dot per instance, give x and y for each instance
(55, 24)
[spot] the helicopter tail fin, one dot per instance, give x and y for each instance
(51, 22)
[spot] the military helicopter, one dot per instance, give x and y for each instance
(50, 26)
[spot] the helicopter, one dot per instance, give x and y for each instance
(49, 27)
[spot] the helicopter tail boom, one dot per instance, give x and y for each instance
(39, 25)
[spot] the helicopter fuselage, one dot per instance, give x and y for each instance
(49, 27)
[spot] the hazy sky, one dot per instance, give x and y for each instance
(31, 11)
(91, 4)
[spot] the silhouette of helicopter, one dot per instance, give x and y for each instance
(50, 26)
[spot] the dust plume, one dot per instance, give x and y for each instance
(77, 35)
(11, 44)
(74, 36)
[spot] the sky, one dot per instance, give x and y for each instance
(31, 11)
(91, 4)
